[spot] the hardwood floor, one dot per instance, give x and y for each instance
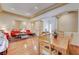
(73, 49)
(24, 47)
(30, 47)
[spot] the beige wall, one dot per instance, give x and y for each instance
(68, 22)
(7, 20)
(17, 24)
(37, 27)
(0, 8)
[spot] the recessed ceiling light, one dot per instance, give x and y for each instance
(28, 14)
(12, 8)
(36, 7)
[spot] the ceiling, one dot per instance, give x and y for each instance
(28, 10)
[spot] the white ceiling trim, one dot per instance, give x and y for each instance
(25, 9)
(65, 8)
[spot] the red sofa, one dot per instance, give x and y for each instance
(14, 33)
(28, 32)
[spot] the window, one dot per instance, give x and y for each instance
(49, 24)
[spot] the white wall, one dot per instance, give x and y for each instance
(75, 39)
